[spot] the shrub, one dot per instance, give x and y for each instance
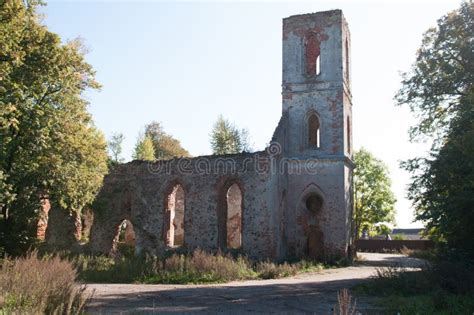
(31, 285)
(269, 270)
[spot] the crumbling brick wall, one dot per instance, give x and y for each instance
(292, 200)
(139, 192)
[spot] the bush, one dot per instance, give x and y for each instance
(269, 270)
(31, 285)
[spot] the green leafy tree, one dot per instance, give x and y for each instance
(373, 198)
(442, 75)
(439, 91)
(444, 192)
(115, 147)
(144, 149)
(50, 147)
(227, 138)
(165, 146)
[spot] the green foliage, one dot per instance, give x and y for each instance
(442, 74)
(50, 148)
(398, 237)
(115, 147)
(374, 200)
(144, 149)
(440, 91)
(166, 147)
(443, 193)
(31, 285)
(227, 138)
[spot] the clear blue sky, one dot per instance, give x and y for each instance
(184, 63)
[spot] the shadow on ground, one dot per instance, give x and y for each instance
(312, 298)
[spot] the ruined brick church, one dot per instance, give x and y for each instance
(291, 200)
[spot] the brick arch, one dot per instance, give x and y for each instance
(174, 214)
(311, 221)
(224, 230)
(312, 129)
(111, 210)
(310, 189)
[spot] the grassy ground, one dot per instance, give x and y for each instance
(198, 267)
(443, 288)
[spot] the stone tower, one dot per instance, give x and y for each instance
(315, 133)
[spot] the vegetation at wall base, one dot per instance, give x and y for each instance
(198, 267)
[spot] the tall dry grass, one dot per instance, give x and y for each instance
(345, 304)
(196, 267)
(31, 285)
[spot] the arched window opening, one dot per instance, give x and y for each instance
(312, 55)
(314, 203)
(348, 135)
(124, 240)
(234, 217)
(127, 234)
(313, 131)
(174, 217)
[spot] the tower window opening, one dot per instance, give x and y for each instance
(347, 60)
(318, 65)
(313, 55)
(313, 131)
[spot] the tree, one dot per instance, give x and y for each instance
(442, 75)
(228, 139)
(50, 147)
(443, 189)
(165, 146)
(144, 149)
(115, 147)
(439, 90)
(373, 197)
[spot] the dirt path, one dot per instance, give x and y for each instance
(313, 293)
